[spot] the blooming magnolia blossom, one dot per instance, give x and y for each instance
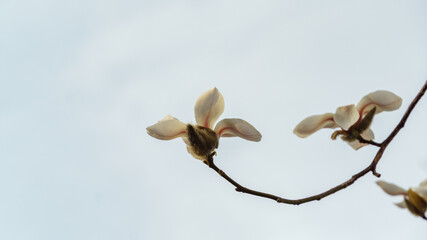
(201, 138)
(414, 199)
(354, 121)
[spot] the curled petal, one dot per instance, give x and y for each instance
(391, 188)
(231, 127)
(383, 100)
(167, 128)
(209, 106)
(313, 123)
(346, 116)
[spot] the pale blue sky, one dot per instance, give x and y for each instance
(81, 80)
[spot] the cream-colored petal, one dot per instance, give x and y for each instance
(401, 204)
(232, 127)
(423, 183)
(383, 100)
(167, 128)
(209, 106)
(368, 134)
(313, 123)
(391, 188)
(346, 116)
(356, 145)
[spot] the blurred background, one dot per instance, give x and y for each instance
(81, 80)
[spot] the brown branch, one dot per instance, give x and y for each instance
(370, 168)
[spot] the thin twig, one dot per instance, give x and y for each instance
(362, 140)
(370, 168)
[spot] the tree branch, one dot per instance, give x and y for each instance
(371, 168)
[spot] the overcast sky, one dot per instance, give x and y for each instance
(81, 80)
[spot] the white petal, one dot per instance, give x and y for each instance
(232, 127)
(401, 204)
(423, 183)
(346, 116)
(209, 106)
(167, 128)
(168, 117)
(368, 134)
(391, 188)
(312, 124)
(383, 100)
(356, 145)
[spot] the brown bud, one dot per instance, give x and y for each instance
(202, 141)
(416, 204)
(366, 121)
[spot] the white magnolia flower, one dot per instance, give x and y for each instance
(353, 120)
(202, 138)
(414, 199)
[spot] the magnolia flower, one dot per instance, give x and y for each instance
(202, 138)
(354, 121)
(414, 199)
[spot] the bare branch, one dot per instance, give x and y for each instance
(371, 168)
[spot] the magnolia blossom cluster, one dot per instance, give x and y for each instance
(414, 199)
(202, 138)
(353, 121)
